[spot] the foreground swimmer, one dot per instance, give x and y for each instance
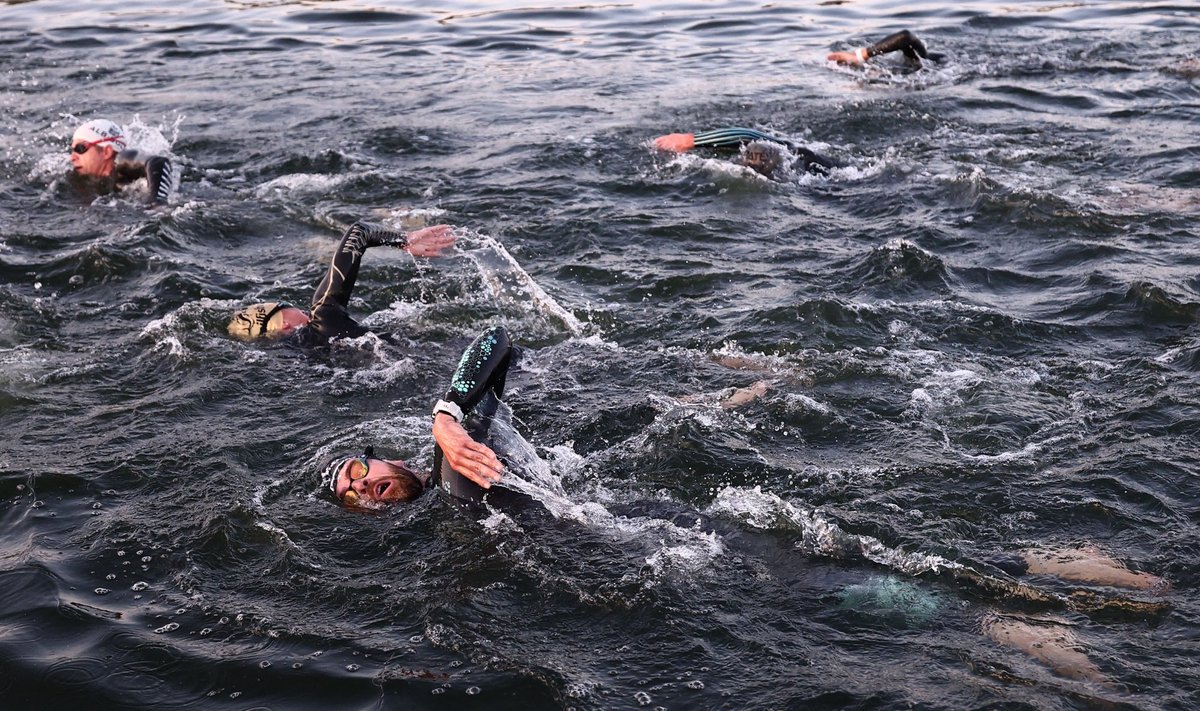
(463, 466)
(329, 317)
(99, 151)
(758, 151)
(902, 41)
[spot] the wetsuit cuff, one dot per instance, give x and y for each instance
(449, 408)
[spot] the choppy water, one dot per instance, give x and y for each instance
(980, 337)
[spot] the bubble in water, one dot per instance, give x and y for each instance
(456, 663)
(75, 280)
(110, 576)
(297, 665)
(352, 667)
(97, 505)
(102, 591)
(642, 698)
(120, 554)
(235, 694)
(416, 639)
(206, 631)
(695, 684)
(438, 690)
(139, 586)
(264, 664)
(473, 690)
(169, 627)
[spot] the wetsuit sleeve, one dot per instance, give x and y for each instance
(482, 369)
(331, 301)
(476, 387)
(903, 41)
(160, 176)
(813, 162)
(734, 138)
(131, 165)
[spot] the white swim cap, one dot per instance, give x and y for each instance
(98, 130)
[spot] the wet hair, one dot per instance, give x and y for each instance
(251, 322)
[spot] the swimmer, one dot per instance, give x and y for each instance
(100, 152)
(328, 317)
(761, 152)
(902, 41)
(463, 466)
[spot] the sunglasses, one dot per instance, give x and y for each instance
(85, 146)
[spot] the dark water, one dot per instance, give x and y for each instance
(979, 337)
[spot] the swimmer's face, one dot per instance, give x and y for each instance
(362, 480)
(96, 160)
(270, 320)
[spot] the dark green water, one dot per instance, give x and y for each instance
(979, 337)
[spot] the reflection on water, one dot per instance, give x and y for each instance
(824, 442)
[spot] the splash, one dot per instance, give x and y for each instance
(507, 281)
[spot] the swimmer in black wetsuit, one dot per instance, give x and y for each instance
(902, 41)
(463, 466)
(329, 317)
(757, 150)
(99, 152)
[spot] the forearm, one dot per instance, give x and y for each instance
(902, 41)
(733, 138)
(483, 368)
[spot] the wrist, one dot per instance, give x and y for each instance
(863, 53)
(450, 409)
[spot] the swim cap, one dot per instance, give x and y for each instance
(762, 156)
(251, 322)
(98, 130)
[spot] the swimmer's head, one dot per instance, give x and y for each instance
(273, 319)
(95, 145)
(763, 157)
(361, 479)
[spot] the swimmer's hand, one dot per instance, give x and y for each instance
(676, 142)
(853, 59)
(430, 241)
(472, 459)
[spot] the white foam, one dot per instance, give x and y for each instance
(820, 536)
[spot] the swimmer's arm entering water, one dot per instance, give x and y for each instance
(902, 41)
(475, 389)
(331, 300)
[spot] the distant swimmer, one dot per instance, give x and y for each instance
(99, 151)
(329, 317)
(902, 41)
(758, 151)
(463, 466)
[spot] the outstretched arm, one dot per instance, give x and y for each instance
(338, 282)
(902, 41)
(721, 138)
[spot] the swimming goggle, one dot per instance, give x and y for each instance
(85, 146)
(360, 466)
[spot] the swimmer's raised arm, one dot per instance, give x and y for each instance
(902, 41)
(727, 138)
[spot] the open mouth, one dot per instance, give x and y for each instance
(381, 489)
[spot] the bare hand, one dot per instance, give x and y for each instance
(472, 459)
(850, 58)
(676, 142)
(430, 241)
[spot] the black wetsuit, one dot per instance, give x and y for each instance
(476, 387)
(734, 138)
(130, 166)
(329, 316)
(903, 41)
